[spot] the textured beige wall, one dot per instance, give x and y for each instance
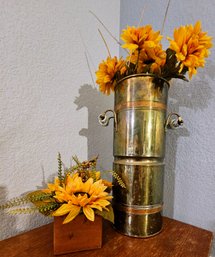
(48, 100)
(189, 193)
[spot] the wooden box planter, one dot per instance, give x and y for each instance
(77, 235)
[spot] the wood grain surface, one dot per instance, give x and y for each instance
(176, 239)
(79, 234)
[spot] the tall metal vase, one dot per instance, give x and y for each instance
(139, 150)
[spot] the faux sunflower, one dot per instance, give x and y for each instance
(79, 189)
(186, 53)
(77, 196)
(191, 47)
(108, 72)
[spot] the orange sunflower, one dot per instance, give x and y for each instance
(106, 74)
(154, 58)
(138, 38)
(191, 46)
(77, 196)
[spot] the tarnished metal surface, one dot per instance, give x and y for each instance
(143, 180)
(140, 107)
(143, 226)
(138, 207)
(139, 149)
(140, 125)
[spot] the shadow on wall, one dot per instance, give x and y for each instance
(194, 95)
(99, 139)
(8, 222)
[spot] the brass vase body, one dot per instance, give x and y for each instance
(139, 150)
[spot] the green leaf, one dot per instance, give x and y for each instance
(172, 67)
(108, 215)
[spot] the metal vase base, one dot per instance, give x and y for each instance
(140, 226)
(138, 207)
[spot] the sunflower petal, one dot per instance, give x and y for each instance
(64, 209)
(89, 212)
(75, 210)
(95, 206)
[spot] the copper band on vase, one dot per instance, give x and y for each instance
(141, 104)
(137, 210)
(139, 150)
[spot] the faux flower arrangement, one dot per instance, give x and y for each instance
(187, 52)
(79, 189)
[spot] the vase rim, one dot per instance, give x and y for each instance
(143, 75)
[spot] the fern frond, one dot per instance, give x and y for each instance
(14, 202)
(118, 179)
(76, 160)
(47, 209)
(23, 211)
(39, 196)
(33, 197)
(60, 174)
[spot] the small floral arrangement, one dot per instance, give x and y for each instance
(187, 52)
(79, 189)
